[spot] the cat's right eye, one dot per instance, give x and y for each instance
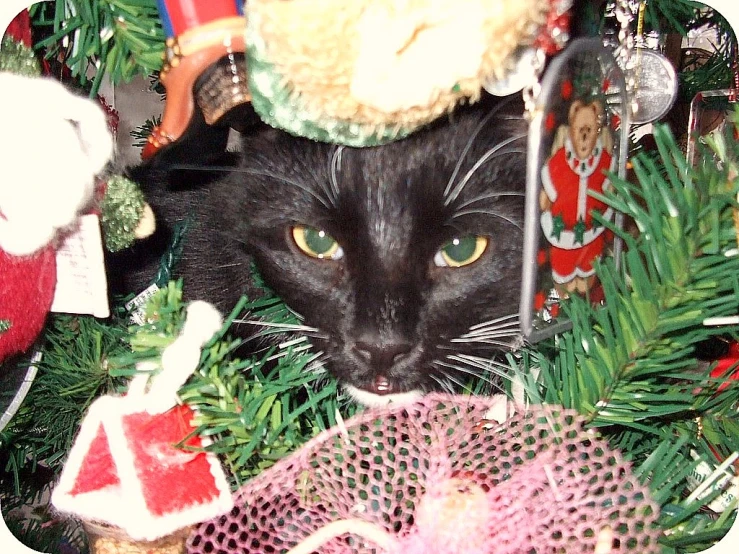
(316, 243)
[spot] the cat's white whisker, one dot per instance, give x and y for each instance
(317, 363)
(443, 383)
(496, 321)
(489, 342)
(489, 212)
(487, 333)
(283, 351)
(277, 325)
(317, 367)
(506, 327)
(492, 333)
(446, 369)
(298, 184)
(483, 197)
(335, 168)
(490, 154)
(488, 365)
(485, 120)
(287, 344)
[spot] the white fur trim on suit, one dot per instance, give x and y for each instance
(55, 144)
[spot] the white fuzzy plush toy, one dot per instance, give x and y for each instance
(53, 145)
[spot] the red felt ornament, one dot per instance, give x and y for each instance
(727, 367)
(40, 202)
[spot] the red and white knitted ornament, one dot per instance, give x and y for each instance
(438, 476)
(127, 469)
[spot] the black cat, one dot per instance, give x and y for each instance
(403, 260)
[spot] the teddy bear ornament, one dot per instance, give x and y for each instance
(577, 139)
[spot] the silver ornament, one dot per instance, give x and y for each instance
(655, 86)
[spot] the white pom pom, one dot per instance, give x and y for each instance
(203, 320)
(60, 141)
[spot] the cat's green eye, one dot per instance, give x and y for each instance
(461, 251)
(316, 243)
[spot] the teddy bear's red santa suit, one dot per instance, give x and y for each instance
(576, 239)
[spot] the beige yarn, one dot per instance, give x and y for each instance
(315, 45)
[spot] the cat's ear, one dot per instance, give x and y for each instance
(195, 160)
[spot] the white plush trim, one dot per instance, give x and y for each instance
(40, 198)
(546, 183)
(563, 279)
(180, 359)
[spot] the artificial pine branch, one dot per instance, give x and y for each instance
(114, 38)
(253, 411)
(630, 365)
(42, 534)
(143, 131)
(71, 374)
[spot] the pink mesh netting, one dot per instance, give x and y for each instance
(437, 476)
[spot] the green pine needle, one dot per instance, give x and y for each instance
(141, 134)
(115, 38)
(253, 411)
(630, 364)
(72, 372)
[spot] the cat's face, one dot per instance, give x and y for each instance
(405, 258)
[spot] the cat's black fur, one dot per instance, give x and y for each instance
(386, 318)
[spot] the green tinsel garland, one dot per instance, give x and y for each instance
(17, 58)
(121, 210)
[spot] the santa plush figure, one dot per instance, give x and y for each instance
(59, 143)
(575, 168)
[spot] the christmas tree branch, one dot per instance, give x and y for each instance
(630, 365)
(254, 410)
(114, 38)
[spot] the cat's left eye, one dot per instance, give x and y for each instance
(316, 243)
(461, 251)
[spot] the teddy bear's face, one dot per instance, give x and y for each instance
(584, 129)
